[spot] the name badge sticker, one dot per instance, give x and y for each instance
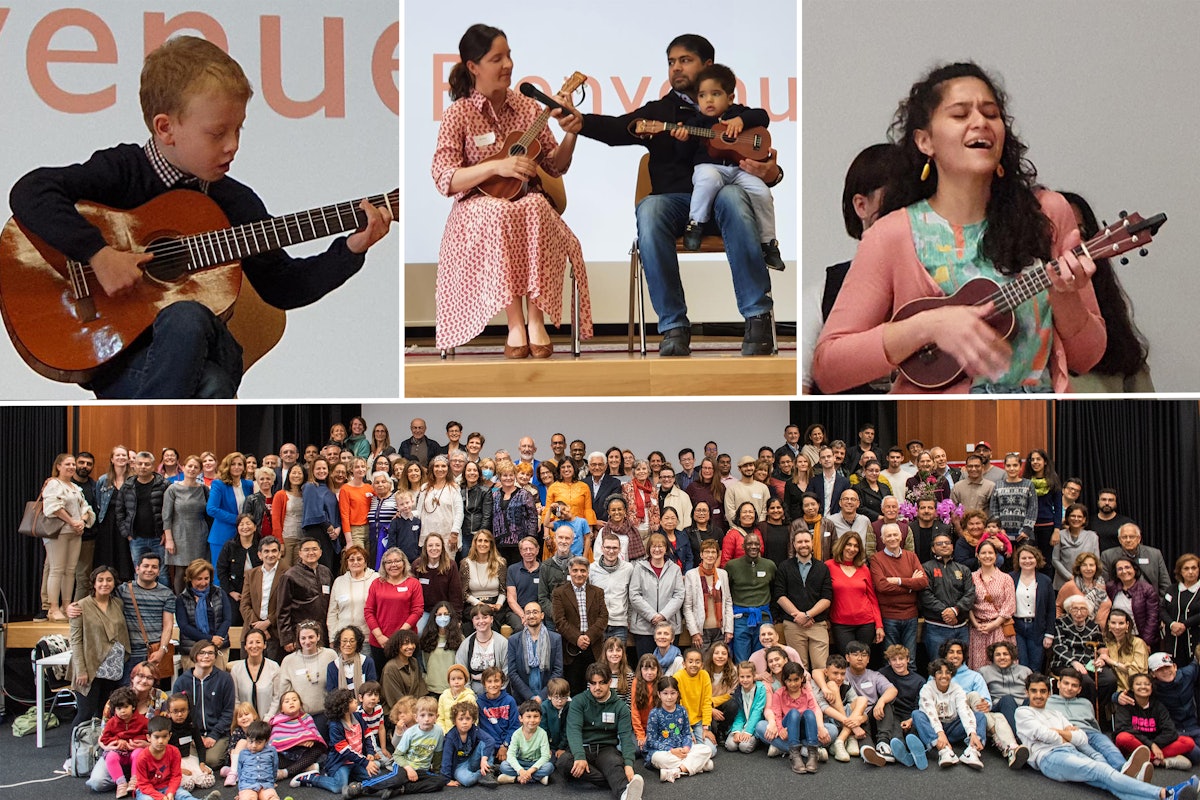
(608, 717)
(761, 573)
(424, 581)
(324, 590)
(484, 139)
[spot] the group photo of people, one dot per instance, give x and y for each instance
(384, 615)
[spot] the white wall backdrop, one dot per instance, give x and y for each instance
(294, 157)
(1104, 93)
(740, 428)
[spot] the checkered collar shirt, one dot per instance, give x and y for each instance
(581, 599)
(171, 176)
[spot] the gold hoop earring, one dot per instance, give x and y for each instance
(999, 170)
(925, 170)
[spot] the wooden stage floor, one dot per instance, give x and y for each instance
(605, 373)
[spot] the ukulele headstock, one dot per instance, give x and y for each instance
(1127, 233)
(573, 82)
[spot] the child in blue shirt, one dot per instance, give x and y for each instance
(554, 715)
(498, 711)
(467, 750)
(257, 764)
(351, 753)
(670, 745)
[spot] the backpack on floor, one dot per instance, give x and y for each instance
(85, 747)
(27, 722)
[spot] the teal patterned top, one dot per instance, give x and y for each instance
(950, 254)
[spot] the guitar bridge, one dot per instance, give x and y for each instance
(85, 309)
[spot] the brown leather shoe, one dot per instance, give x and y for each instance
(542, 350)
(518, 351)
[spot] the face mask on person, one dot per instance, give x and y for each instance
(488, 474)
(442, 620)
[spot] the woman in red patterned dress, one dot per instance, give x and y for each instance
(495, 252)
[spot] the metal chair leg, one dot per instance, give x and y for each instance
(634, 257)
(641, 305)
(575, 348)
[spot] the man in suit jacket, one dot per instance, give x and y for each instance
(261, 582)
(583, 639)
(523, 685)
(828, 476)
(419, 447)
(1149, 559)
(601, 483)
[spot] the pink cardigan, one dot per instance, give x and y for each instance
(886, 275)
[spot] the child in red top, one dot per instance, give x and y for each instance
(156, 771)
(124, 734)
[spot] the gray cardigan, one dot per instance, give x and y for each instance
(650, 595)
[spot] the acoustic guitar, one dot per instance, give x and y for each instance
(751, 143)
(932, 368)
(523, 143)
(64, 325)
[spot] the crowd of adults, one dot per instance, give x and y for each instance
(357, 560)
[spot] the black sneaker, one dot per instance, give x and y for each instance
(41, 616)
(489, 781)
(352, 789)
(757, 339)
(692, 235)
(770, 251)
(676, 342)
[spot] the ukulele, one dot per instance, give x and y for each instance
(518, 143)
(931, 368)
(64, 325)
(751, 143)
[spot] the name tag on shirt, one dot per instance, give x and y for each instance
(324, 590)
(401, 588)
(1143, 561)
(303, 672)
(343, 598)
(185, 740)
(424, 581)
(608, 717)
(484, 139)
(535, 580)
(761, 573)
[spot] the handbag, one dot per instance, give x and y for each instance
(166, 665)
(35, 523)
(1008, 629)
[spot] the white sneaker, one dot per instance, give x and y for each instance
(852, 747)
(545, 781)
(840, 753)
(708, 766)
(970, 757)
(871, 756)
(634, 790)
(946, 757)
(823, 754)
(295, 782)
(884, 749)
(1177, 762)
(668, 775)
(774, 752)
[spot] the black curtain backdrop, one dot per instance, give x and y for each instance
(1149, 451)
(34, 436)
(262, 429)
(841, 419)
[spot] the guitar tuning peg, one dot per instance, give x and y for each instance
(1143, 252)
(1124, 214)
(1103, 223)
(1124, 259)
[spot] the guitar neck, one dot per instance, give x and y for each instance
(704, 133)
(224, 246)
(535, 128)
(1028, 284)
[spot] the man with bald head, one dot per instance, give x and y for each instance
(899, 579)
(847, 518)
(419, 447)
(1149, 559)
(289, 454)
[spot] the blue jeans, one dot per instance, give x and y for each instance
(619, 631)
(150, 544)
(191, 355)
(902, 631)
(1065, 764)
(467, 773)
(661, 219)
(708, 179)
(1030, 651)
(745, 639)
(337, 781)
(935, 635)
(954, 730)
(800, 729)
(544, 771)
(1104, 747)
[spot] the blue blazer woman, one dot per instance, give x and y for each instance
(1031, 631)
(223, 508)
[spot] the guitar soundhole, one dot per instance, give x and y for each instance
(927, 354)
(516, 150)
(170, 261)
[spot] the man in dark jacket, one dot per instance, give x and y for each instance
(303, 595)
(139, 511)
(803, 592)
(580, 617)
(946, 603)
(601, 483)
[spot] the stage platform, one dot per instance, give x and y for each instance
(715, 369)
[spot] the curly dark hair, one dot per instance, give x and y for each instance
(397, 640)
(454, 634)
(337, 703)
(1017, 230)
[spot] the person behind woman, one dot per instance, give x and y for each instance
(185, 521)
(871, 490)
(169, 466)
(616, 464)
(514, 512)
(203, 613)
(1015, 502)
(381, 512)
(641, 499)
(322, 519)
(381, 442)
(795, 489)
(63, 503)
(439, 577)
(477, 504)
(781, 473)
(258, 505)
(439, 505)
(925, 484)
(1130, 592)
(287, 513)
(1072, 541)
(516, 248)
(679, 546)
(1146, 721)
(617, 662)
(967, 196)
(357, 442)
(484, 577)
(656, 595)
(254, 675)
(1039, 470)
(348, 597)
(1181, 611)
(401, 674)
(746, 524)
(208, 467)
(482, 649)
(226, 496)
(1033, 610)
(350, 668)
(708, 604)
(854, 614)
(995, 603)
(395, 600)
(814, 439)
(238, 557)
(1087, 580)
(1123, 367)
(701, 527)
(412, 478)
(1005, 679)
(112, 548)
(439, 644)
(708, 488)
(774, 530)
(1127, 654)
(99, 646)
(568, 489)
(633, 546)
(354, 504)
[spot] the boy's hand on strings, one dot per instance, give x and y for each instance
(118, 270)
